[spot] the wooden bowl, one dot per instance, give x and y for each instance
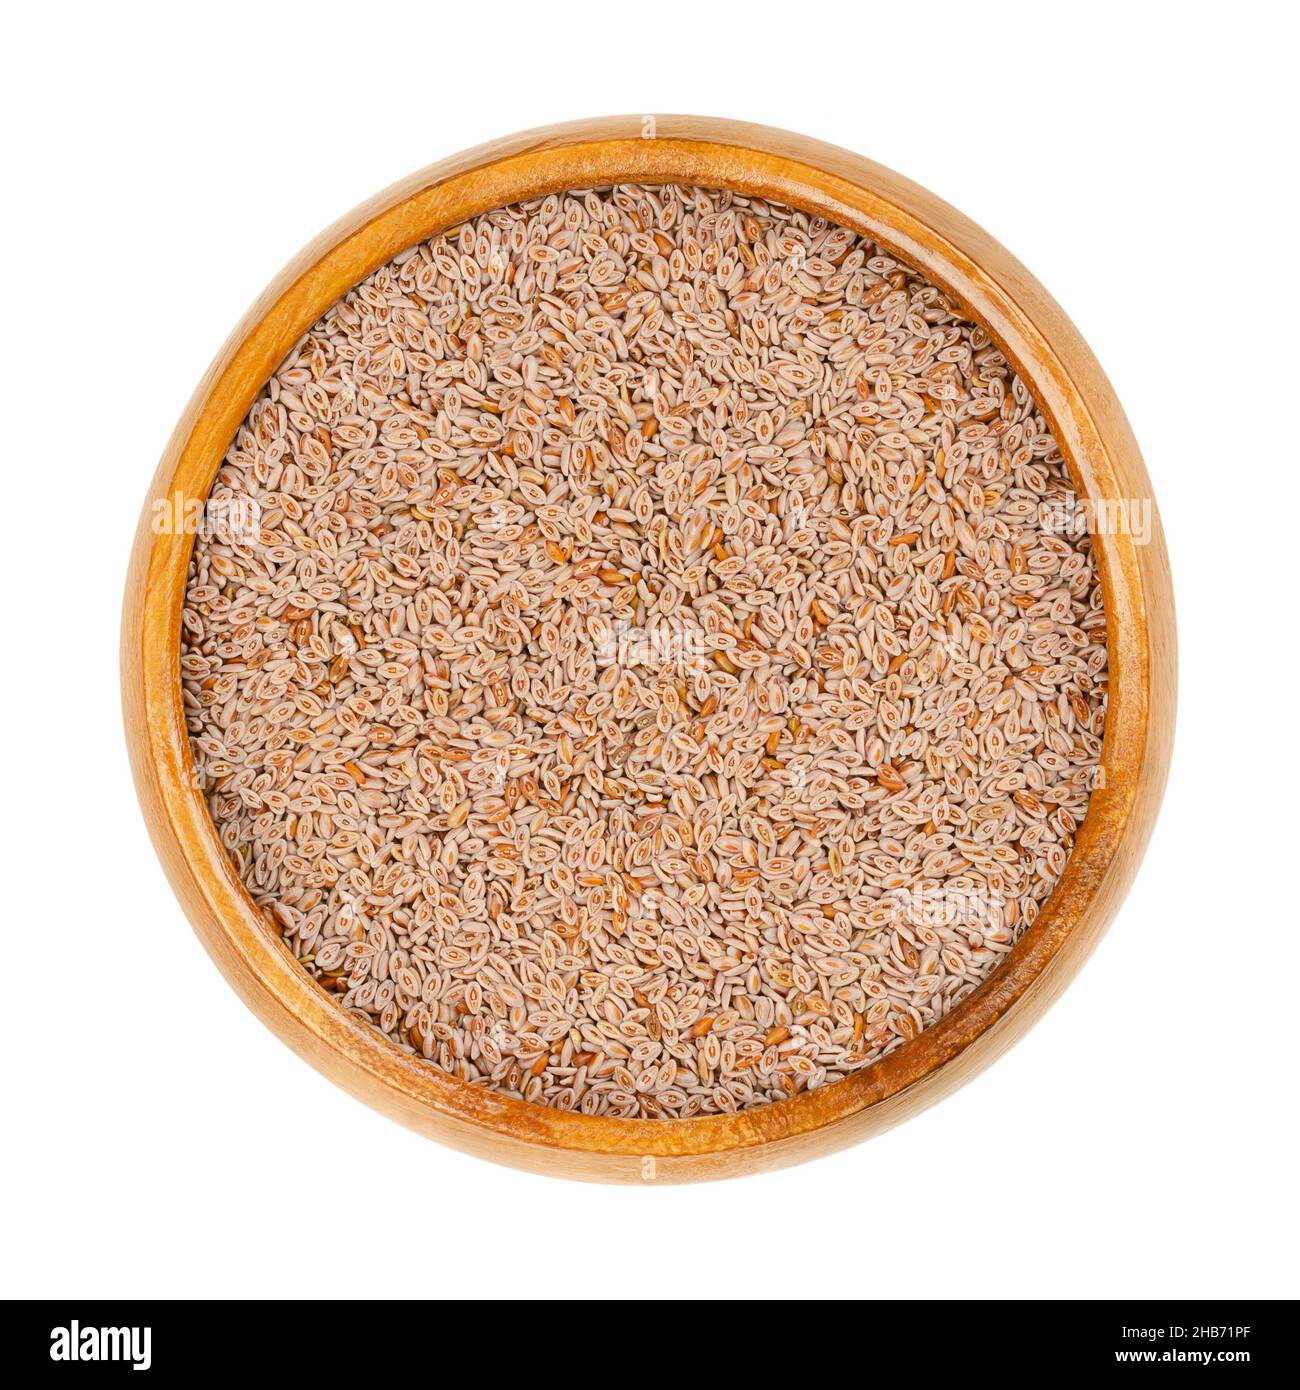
(1103, 460)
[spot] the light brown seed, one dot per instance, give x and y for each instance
(569, 517)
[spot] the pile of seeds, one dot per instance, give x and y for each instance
(653, 685)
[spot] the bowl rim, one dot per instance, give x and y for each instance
(1103, 460)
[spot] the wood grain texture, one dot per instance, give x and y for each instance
(1104, 462)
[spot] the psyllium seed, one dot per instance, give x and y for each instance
(653, 685)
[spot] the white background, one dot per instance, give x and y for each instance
(163, 162)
